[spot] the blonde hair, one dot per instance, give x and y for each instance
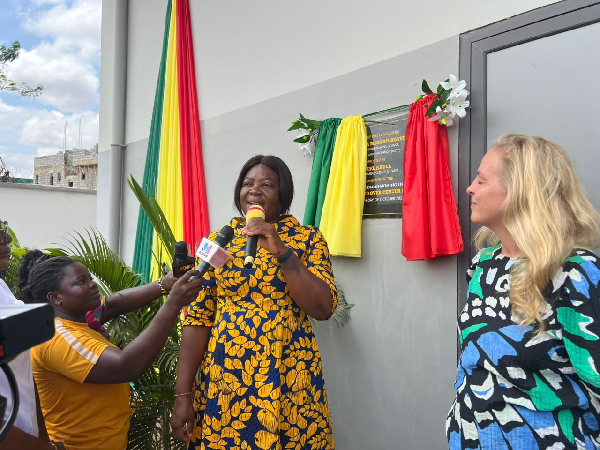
(548, 215)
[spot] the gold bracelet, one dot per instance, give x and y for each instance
(185, 393)
(163, 291)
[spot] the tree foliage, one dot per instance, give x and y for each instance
(7, 56)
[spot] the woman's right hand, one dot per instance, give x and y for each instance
(185, 292)
(183, 417)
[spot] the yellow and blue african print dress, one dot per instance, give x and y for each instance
(261, 384)
(519, 391)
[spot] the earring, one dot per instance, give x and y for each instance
(58, 302)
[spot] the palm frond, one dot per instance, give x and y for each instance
(156, 216)
(11, 274)
(15, 241)
(110, 270)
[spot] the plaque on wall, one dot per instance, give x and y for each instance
(385, 175)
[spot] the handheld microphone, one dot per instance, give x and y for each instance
(212, 253)
(181, 261)
(253, 211)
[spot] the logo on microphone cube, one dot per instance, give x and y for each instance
(211, 253)
(205, 250)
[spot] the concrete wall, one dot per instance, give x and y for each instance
(43, 216)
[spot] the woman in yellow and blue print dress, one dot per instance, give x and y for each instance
(261, 383)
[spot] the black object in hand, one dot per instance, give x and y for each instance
(181, 261)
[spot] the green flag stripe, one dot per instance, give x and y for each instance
(142, 259)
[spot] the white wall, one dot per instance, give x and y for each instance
(247, 52)
(44, 216)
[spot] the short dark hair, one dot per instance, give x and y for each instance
(45, 277)
(286, 183)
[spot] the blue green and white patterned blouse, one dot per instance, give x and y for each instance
(518, 391)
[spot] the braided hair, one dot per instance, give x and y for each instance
(44, 277)
(28, 260)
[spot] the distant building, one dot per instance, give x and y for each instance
(71, 168)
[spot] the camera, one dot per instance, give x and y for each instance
(21, 327)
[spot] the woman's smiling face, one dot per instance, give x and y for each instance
(261, 187)
(77, 291)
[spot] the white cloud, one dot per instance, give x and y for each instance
(45, 131)
(66, 62)
(10, 119)
(18, 164)
(29, 132)
(70, 84)
(79, 23)
(47, 2)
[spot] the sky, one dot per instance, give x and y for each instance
(60, 49)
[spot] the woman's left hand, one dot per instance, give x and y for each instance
(267, 236)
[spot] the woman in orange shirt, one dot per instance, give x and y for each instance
(82, 379)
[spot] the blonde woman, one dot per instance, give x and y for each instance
(528, 376)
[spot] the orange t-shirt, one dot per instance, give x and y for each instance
(87, 416)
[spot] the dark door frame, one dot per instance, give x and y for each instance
(474, 48)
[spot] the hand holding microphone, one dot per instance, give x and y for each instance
(253, 211)
(259, 231)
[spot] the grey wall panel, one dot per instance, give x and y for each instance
(547, 59)
(545, 88)
(134, 159)
(390, 371)
(102, 199)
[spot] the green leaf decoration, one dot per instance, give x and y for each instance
(432, 108)
(296, 125)
(445, 95)
(418, 98)
(302, 139)
(440, 89)
(425, 87)
(312, 124)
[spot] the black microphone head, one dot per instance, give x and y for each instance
(224, 236)
(181, 251)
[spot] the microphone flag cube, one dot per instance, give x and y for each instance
(211, 253)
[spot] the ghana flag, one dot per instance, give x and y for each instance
(174, 172)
